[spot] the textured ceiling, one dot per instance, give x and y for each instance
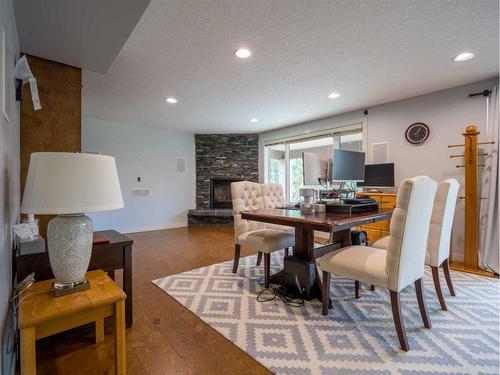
(83, 33)
(369, 51)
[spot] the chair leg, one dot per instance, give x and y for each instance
(356, 289)
(446, 269)
(236, 260)
(421, 303)
(326, 292)
(267, 269)
(259, 258)
(437, 285)
(398, 321)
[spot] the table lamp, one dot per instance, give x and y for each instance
(69, 185)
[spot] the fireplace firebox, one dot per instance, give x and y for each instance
(220, 192)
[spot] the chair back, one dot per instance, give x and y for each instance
(409, 230)
(272, 195)
(246, 196)
(438, 243)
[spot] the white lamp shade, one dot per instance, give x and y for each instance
(70, 183)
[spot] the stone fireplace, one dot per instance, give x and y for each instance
(220, 160)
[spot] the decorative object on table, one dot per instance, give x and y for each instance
(320, 207)
(471, 198)
(25, 231)
(417, 133)
(70, 184)
(31, 246)
(310, 197)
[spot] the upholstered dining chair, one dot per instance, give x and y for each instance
(273, 197)
(247, 196)
(402, 263)
(438, 242)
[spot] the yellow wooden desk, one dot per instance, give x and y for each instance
(42, 315)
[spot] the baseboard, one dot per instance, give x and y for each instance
(154, 227)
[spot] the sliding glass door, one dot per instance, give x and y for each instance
(306, 160)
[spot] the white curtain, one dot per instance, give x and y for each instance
(489, 224)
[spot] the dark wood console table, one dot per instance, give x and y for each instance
(117, 254)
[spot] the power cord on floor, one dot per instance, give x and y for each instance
(280, 292)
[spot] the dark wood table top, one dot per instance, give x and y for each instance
(322, 221)
(114, 237)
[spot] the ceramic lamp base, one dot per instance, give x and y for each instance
(69, 239)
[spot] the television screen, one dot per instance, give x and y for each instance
(348, 165)
(378, 175)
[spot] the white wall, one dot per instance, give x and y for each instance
(9, 179)
(447, 113)
(158, 150)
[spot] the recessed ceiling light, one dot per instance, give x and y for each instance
(243, 53)
(171, 100)
(334, 95)
(464, 57)
(254, 120)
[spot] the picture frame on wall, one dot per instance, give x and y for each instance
(6, 84)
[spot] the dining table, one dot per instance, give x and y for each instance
(300, 272)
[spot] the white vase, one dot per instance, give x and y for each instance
(69, 239)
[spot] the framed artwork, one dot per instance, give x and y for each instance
(6, 82)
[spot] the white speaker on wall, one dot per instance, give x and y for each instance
(181, 165)
(380, 153)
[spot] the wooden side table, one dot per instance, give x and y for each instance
(42, 315)
(117, 254)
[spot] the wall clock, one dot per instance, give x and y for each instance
(417, 133)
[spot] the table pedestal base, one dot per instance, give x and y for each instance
(299, 277)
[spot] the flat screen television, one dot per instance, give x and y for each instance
(348, 165)
(378, 175)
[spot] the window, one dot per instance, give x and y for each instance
(306, 160)
(277, 164)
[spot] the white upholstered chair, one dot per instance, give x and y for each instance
(438, 242)
(273, 197)
(403, 262)
(247, 196)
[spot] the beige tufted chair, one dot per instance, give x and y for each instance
(273, 197)
(403, 262)
(438, 243)
(247, 196)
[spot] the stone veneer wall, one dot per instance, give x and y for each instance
(224, 155)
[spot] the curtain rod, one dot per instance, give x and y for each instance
(483, 93)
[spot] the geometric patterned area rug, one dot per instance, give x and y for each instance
(358, 336)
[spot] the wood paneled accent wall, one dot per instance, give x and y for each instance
(57, 126)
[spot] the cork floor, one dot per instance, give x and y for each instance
(166, 338)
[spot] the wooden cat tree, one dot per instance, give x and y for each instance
(471, 198)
